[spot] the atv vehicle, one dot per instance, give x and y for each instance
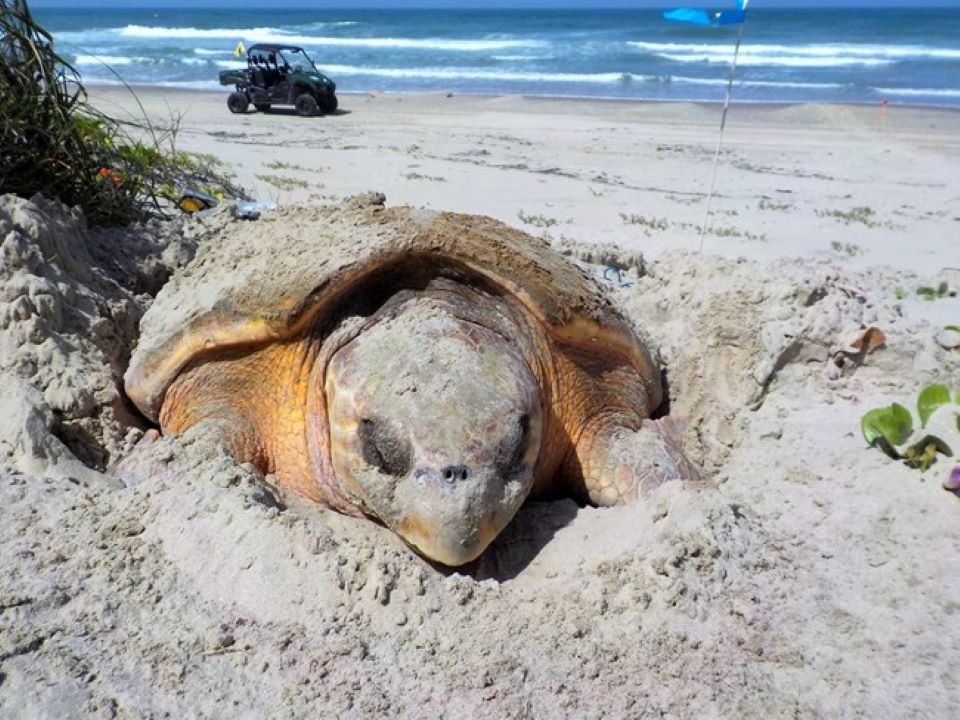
(280, 75)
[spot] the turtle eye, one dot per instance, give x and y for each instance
(383, 449)
(514, 447)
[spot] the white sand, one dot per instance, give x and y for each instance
(812, 578)
(584, 163)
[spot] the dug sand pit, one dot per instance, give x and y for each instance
(806, 576)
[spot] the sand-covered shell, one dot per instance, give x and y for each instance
(272, 279)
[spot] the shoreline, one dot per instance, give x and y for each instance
(547, 97)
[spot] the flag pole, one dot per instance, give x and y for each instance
(723, 123)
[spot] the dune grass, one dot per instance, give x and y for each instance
(53, 142)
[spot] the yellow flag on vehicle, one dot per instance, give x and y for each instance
(239, 50)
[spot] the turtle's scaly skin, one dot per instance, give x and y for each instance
(430, 370)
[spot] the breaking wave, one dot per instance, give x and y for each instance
(825, 55)
(106, 60)
(753, 58)
(756, 83)
(908, 57)
(274, 35)
(479, 74)
(920, 92)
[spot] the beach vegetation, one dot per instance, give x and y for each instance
(930, 398)
(536, 220)
(887, 427)
(55, 143)
(690, 200)
(653, 223)
(280, 165)
(849, 249)
(892, 429)
(862, 214)
(728, 213)
(726, 231)
(419, 176)
(768, 204)
(685, 200)
(935, 293)
(284, 182)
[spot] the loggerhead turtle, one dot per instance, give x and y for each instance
(428, 370)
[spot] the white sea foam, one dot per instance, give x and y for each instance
(754, 83)
(203, 51)
(106, 60)
(692, 81)
(274, 35)
(479, 74)
(831, 51)
(339, 23)
(803, 85)
(192, 84)
(181, 84)
(545, 77)
(752, 58)
(918, 92)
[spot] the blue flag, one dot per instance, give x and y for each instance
(734, 16)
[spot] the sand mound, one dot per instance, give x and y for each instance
(70, 304)
(808, 577)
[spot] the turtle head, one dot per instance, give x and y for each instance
(435, 427)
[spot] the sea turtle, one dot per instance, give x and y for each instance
(429, 370)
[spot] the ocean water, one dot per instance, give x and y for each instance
(904, 56)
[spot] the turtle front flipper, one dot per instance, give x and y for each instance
(621, 465)
(252, 402)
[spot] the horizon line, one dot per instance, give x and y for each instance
(240, 4)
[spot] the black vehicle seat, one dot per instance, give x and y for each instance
(259, 77)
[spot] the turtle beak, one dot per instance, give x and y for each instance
(447, 548)
(454, 512)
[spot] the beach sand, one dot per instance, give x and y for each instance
(789, 183)
(808, 576)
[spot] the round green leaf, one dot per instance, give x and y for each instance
(897, 425)
(887, 427)
(870, 425)
(931, 397)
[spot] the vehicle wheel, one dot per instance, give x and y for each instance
(306, 105)
(262, 107)
(237, 102)
(329, 104)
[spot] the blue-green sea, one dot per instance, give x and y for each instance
(865, 56)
